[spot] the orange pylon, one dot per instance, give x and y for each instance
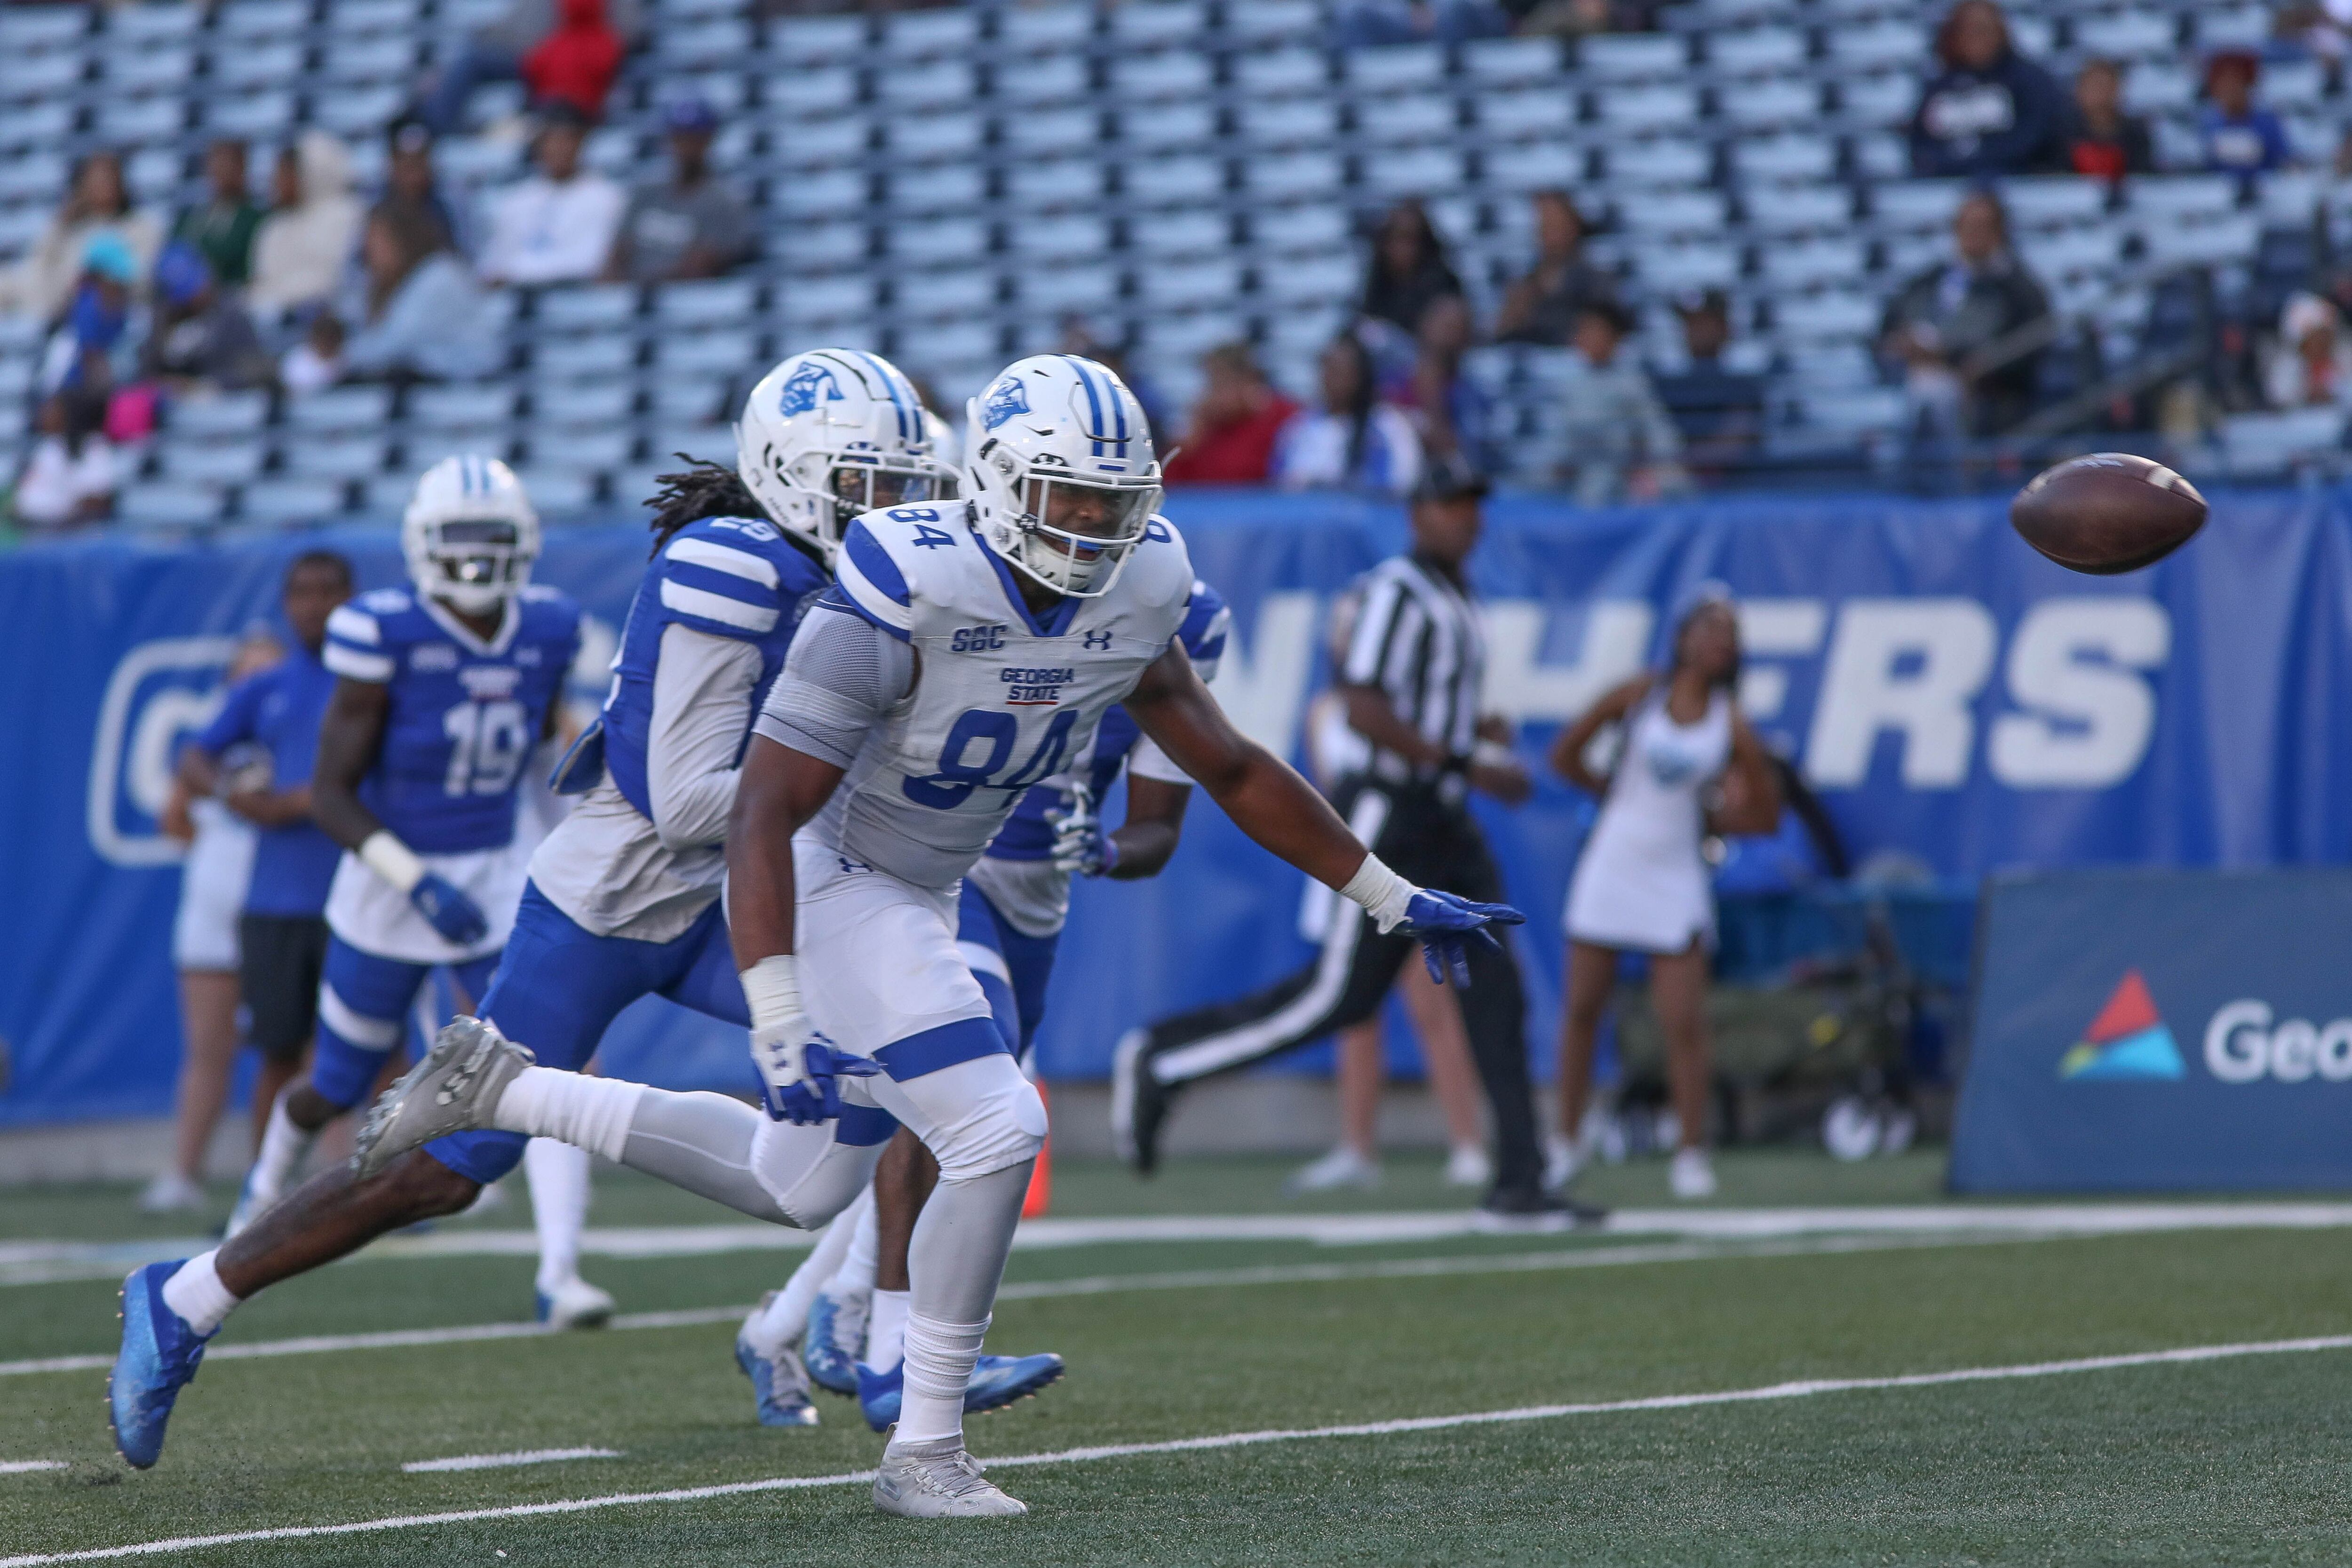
(1041, 1175)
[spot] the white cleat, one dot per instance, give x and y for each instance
(576, 1304)
(1342, 1167)
(171, 1193)
(252, 1202)
(939, 1480)
(1563, 1158)
(1691, 1175)
(455, 1089)
(1468, 1166)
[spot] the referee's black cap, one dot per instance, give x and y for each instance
(1451, 479)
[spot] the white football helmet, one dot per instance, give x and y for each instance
(469, 535)
(1059, 467)
(832, 433)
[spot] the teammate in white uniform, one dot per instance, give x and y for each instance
(965, 654)
(1689, 766)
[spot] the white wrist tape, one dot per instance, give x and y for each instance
(772, 988)
(1381, 892)
(395, 862)
(1492, 754)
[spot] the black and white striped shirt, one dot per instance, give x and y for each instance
(1418, 639)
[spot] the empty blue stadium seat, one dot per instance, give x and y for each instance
(1173, 22)
(1887, 99)
(585, 307)
(1048, 130)
(157, 65)
(1179, 180)
(937, 242)
(1540, 166)
(166, 504)
(580, 452)
(1632, 57)
(564, 405)
(706, 302)
(1185, 232)
(1699, 264)
(1050, 292)
(461, 408)
(815, 302)
(1831, 313)
(1802, 263)
(1051, 184)
(1665, 162)
(825, 194)
(1395, 69)
(341, 408)
(1285, 175)
(2160, 197)
(1163, 125)
(1916, 204)
(1547, 112)
(1278, 72)
(1044, 29)
(1159, 76)
(1654, 107)
(934, 85)
(294, 500)
(942, 187)
(1793, 209)
(1512, 59)
(1288, 123)
(1072, 235)
(1259, 22)
(1051, 79)
(1408, 117)
(256, 115)
(1769, 102)
(351, 456)
(583, 358)
(2127, 35)
(1792, 155)
(1886, 42)
(1306, 226)
(227, 415)
(812, 40)
(1756, 50)
(947, 31)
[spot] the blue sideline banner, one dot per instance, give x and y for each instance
(1951, 695)
(2150, 1030)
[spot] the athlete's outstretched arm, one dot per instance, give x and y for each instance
(1155, 821)
(349, 735)
(1263, 794)
(780, 790)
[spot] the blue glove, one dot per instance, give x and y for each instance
(445, 907)
(800, 1082)
(1444, 924)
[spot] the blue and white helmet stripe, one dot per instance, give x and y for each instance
(1047, 422)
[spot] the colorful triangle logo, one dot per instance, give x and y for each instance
(2129, 1038)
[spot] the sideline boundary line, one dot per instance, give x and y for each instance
(1094, 1285)
(1804, 1389)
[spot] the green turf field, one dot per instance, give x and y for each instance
(2236, 1460)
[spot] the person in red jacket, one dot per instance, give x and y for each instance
(577, 62)
(1228, 440)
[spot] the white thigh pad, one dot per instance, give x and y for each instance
(976, 1117)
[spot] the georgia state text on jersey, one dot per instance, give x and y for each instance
(610, 866)
(1004, 700)
(465, 714)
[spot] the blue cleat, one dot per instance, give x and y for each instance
(832, 1365)
(160, 1355)
(997, 1381)
(778, 1387)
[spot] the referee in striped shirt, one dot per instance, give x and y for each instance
(1412, 679)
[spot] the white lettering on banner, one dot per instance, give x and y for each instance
(2084, 725)
(1911, 666)
(132, 752)
(2241, 1046)
(1520, 687)
(1261, 683)
(1772, 628)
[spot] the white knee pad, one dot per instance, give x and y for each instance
(810, 1175)
(976, 1117)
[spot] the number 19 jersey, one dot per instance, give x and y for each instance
(465, 714)
(1002, 698)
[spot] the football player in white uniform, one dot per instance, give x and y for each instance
(965, 652)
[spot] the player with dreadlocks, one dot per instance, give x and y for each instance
(623, 898)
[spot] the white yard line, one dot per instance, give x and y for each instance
(26, 1466)
(1770, 1391)
(1092, 1285)
(46, 1262)
(501, 1461)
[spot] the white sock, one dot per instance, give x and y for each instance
(196, 1293)
(886, 1335)
(940, 1357)
(855, 1275)
(558, 1174)
(786, 1317)
(283, 1144)
(591, 1113)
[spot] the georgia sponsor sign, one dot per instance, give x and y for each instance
(2246, 1044)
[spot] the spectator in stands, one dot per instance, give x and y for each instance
(575, 64)
(421, 313)
(201, 336)
(2312, 364)
(1542, 307)
(68, 479)
(555, 225)
(1963, 330)
(412, 189)
(316, 361)
(696, 225)
(1409, 269)
(1353, 441)
(222, 229)
(97, 204)
(96, 346)
(1989, 110)
(1719, 410)
(1453, 412)
(1583, 19)
(2106, 143)
(498, 53)
(1617, 442)
(1371, 23)
(2238, 135)
(1228, 437)
(304, 245)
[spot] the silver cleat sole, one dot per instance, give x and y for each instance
(455, 1089)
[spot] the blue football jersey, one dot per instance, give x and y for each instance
(465, 714)
(1027, 834)
(727, 576)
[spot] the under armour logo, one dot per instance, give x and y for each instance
(1092, 643)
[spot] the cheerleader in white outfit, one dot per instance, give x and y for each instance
(1689, 766)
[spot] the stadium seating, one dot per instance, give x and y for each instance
(946, 185)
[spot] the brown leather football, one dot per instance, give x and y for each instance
(2106, 513)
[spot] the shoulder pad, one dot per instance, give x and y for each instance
(358, 645)
(385, 601)
(730, 577)
(871, 567)
(1207, 621)
(1160, 570)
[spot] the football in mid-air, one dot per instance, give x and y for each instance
(2106, 513)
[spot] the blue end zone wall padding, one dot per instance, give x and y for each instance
(2154, 1030)
(1950, 695)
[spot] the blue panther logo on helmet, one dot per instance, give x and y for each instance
(805, 387)
(1005, 399)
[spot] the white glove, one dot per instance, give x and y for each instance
(1080, 845)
